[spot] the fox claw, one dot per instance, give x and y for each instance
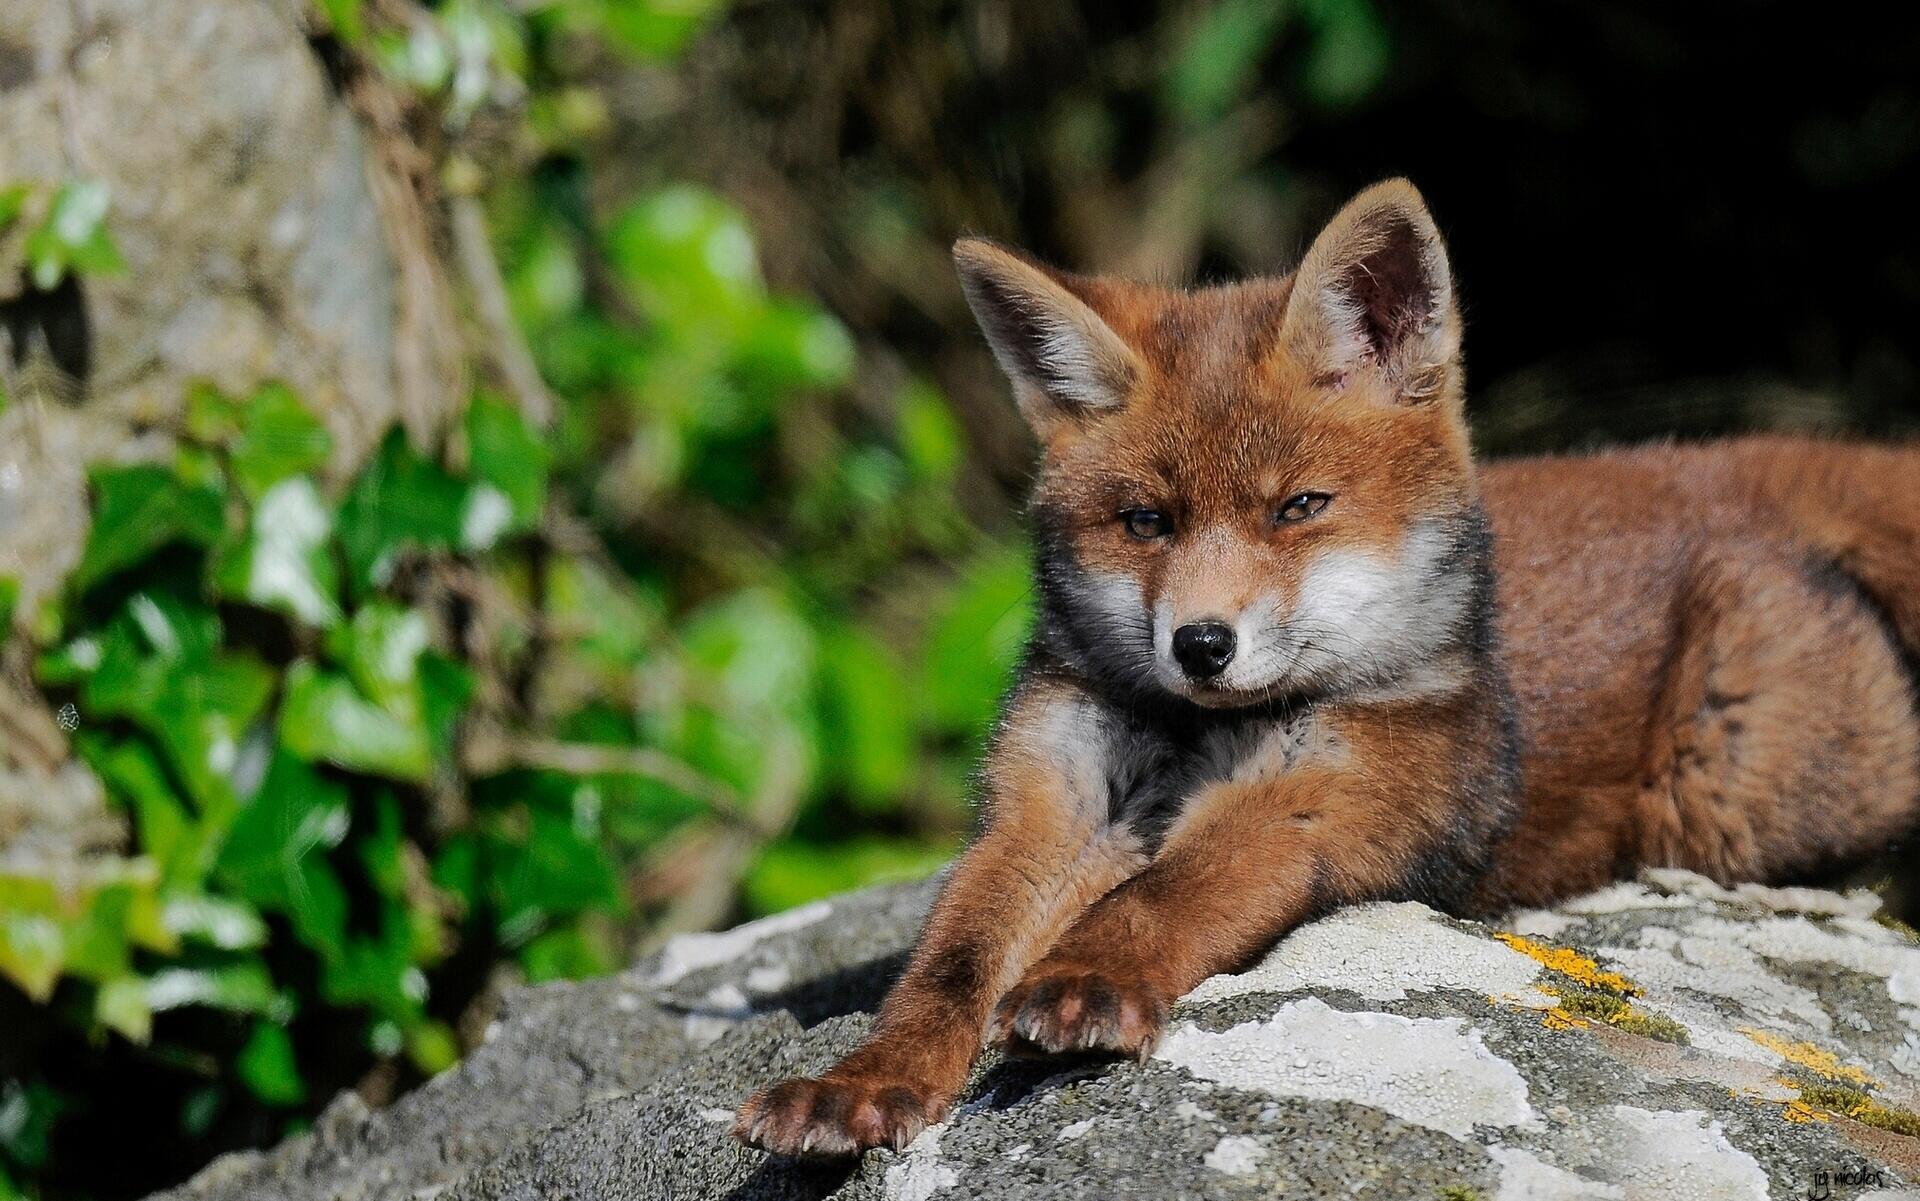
(1074, 1010)
(829, 1119)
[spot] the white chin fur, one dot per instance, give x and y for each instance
(1360, 619)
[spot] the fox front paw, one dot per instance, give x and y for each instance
(829, 1118)
(1070, 1009)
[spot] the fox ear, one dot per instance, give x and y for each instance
(1064, 360)
(1375, 293)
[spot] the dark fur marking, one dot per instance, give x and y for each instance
(956, 970)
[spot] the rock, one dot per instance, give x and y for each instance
(1662, 1038)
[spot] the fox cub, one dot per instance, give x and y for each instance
(1295, 652)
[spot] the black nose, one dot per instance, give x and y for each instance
(1203, 648)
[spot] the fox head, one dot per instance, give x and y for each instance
(1254, 491)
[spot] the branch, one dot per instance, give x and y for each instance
(486, 752)
(508, 345)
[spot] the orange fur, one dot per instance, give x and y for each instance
(1470, 687)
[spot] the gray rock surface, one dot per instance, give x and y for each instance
(1662, 1038)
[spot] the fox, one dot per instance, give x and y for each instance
(1296, 650)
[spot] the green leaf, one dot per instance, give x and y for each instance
(867, 719)
(379, 971)
(647, 29)
(157, 667)
(381, 651)
(212, 417)
(433, 1047)
(33, 950)
(13, 201)
(343, 17)
(85, 924)
(791, 872)
(540, 859)
(242, 987)
(121, 1005)
(1221, 57)
(284, 561)
(415, 697)
(275, 856)
(325, 719)
(278, 438)
(753, 659)
(572, 952)
(137, 511)
(687, 257)
(507, 454)
(975, 640)
(74, 237)
(930, 439)
(167, 831)
(400, 502)
(29, 1112)
(1350, 50)
(796, 345)
(266, 1065)
(214, 921)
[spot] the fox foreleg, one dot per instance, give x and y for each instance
(1046, 853)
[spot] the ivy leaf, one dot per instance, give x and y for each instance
(74, 237)
(974, 641)
(13, 202)
(140, 509)
(381, 651)
(401, 502)
(121, 1005)
(238, 987)
(507, 454)
(215, 921)
(325, 719)
(157, 667)
(33, 950)
(275, 855)
(266, 1065)
(865, 719)
(278, 438)
(284, 561)
(167, 830)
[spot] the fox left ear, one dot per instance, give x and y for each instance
(1065, 362)
(1375, 293)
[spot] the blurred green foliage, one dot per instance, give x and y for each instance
(61, 230)
(716, 643)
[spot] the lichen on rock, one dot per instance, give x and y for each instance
(1729, 1043)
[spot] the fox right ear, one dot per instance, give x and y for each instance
(1063, 359)
(1375, 293)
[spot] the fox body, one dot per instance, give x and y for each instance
(1296, 651)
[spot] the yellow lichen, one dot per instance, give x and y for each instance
(1800, 1111)
(1861, 1108)
(1810, 1057)
(1578, 1005)
(1559, 1019)
(1571, 964)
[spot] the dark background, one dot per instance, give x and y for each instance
(1664, 218)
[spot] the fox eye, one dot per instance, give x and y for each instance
(1146, 524)
(1303, 506)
